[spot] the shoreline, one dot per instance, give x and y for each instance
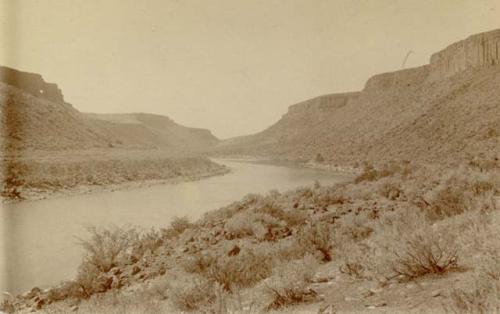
(31, 195)
(294, 164)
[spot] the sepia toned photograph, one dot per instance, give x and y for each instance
(249, 156)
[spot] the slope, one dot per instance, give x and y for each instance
(445, 111)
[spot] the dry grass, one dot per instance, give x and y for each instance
(289, 284)
(242, 270)
(177, 226)
(190, 292)
(483, 299)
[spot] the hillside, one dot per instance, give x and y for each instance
(444, 111)
(151, 130)
(48, 148)
(35, 116)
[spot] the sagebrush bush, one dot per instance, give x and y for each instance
(423, 255)
(289, 284)
(107, 246)
(248, 223)
(449, 201)
(390, 190)
(177, 226)
(190, 292)
(240, 271)
(316, 237)
(484, 298)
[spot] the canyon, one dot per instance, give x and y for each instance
(445, 111)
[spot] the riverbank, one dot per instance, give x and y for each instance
(396, 239)
(57, 174)
(310, 164)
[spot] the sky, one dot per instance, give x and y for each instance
(231, 66)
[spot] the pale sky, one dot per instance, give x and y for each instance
(232, 66)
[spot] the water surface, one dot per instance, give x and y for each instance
(40, 237)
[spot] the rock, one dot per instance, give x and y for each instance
(39, 304)
(374, 306)
(74, 308)
(480, 50)
(234, 251)
(33, 293)
(436, 293)
(135, 270)
(31, 83)
(327, 309)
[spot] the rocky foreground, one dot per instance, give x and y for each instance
(401, 238)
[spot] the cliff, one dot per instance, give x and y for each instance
(31, 83)
(323, 103)
(444, 111)
(480, 50)
(35, 116)
(153, 131)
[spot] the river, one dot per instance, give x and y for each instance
(39, 244)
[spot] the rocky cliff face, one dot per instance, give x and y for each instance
(31, 83)
(477, 51)
(397, 80)
(481, 50)
(323, 103)
(443, 111)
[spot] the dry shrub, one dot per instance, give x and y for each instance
(249, 223)
(390, 190)
(372, 174)
(191, 292)
(294, 217)
(424, 254)
(106, 247)
(352, 269)
(289, 284)
(280, 251)
(147, 241)
(7, 306)
(449, 201)
(240, 271)
(177, 227)
(316, 237)
(483, 299)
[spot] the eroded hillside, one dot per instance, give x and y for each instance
(444, 111)
(48, 147)
(35, 116)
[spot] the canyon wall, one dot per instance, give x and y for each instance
(397, 80)
(31, 83)
(444, 111)
(476, 51)
(323, 103)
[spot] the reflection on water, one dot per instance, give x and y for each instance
(41, 236)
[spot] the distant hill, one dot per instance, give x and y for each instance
(152, 131)
(443, 111)
(35, 116)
